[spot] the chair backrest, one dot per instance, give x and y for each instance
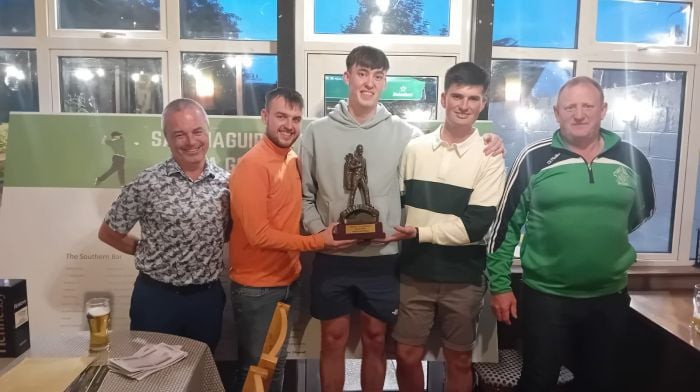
(276, 334)
(255, 380)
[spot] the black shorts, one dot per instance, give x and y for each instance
(341, 283)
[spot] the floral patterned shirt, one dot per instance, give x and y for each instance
(183, 222)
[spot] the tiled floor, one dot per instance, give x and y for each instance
(352, 375)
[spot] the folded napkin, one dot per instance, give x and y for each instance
(147, 360)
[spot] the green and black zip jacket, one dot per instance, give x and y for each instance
(574, 218)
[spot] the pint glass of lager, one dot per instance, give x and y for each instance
(696, 308)
(98, 314)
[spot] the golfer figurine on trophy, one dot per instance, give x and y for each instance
(357, 221)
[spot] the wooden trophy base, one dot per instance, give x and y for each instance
(358, 231)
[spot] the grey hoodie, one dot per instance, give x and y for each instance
(324, 144)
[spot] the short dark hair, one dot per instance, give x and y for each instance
(291, 97)
(582, 80)
(367, 56)
(467, 74)
(180, 104)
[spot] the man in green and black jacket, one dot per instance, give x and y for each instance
(573, 198)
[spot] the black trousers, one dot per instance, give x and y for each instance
(589, 329)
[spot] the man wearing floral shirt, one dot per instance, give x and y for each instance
(182, 205)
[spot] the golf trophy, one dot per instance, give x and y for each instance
(357, 221)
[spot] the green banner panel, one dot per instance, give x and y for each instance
(69, 150)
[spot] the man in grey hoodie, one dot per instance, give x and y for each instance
(363, 276)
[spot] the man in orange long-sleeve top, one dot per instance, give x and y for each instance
(265, 241)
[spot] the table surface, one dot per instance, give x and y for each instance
(671, 310)
(197, 372)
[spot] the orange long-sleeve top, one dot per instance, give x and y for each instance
(266, 208)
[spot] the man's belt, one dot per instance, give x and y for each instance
(182, 290)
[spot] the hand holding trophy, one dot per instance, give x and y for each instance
(357, 221)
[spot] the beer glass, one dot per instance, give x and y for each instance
(696, 308)
(98, 314)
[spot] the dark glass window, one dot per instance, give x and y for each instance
(111, 85)
(17, 18)
(214, 80)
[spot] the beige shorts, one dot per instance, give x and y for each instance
(455, 307)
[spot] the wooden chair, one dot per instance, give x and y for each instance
(260, 375)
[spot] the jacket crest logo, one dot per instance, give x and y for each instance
(623, 176)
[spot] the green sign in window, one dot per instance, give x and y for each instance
(398, 88)
(409, 97)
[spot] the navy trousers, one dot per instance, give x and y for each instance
(194, 312)
(590, 329)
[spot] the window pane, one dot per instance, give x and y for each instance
(645, 108)
(18, 83)
(17, 17)
(229, 19)
(521, 98)
(410, 97)
(111, 85)
(404, 17)
(644, 22)
(259, 78)
(18, 92)
(211, 79)
(535, 23)
(109, 14)
(694, 238)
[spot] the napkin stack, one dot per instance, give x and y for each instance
(147, 360)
